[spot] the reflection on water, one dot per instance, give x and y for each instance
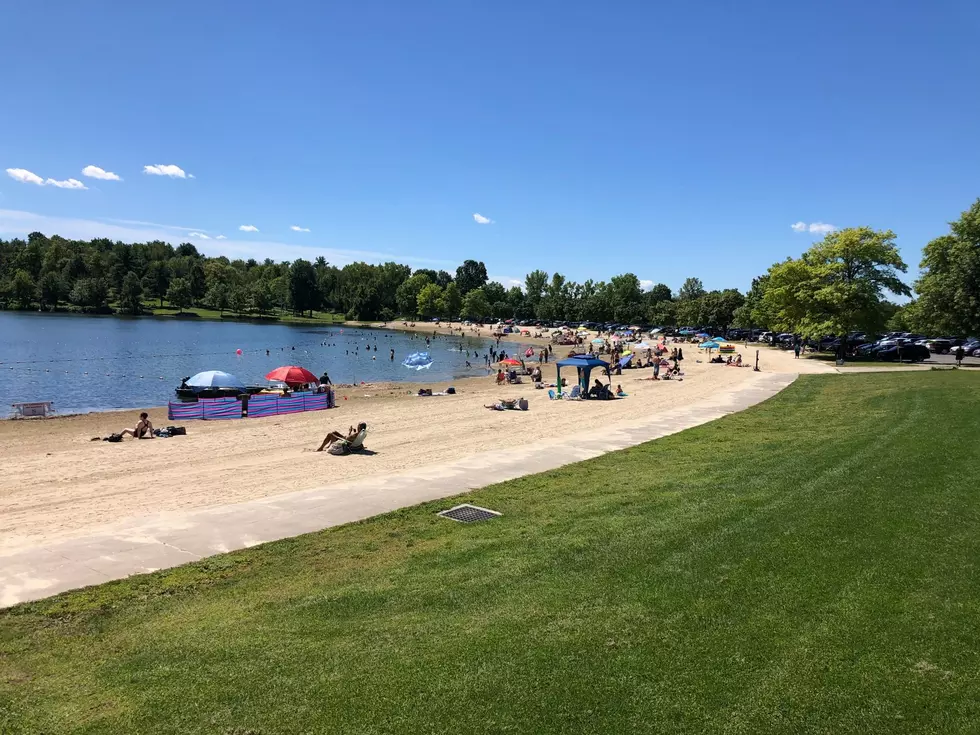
(85, 363)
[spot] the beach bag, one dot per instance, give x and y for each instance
(176, 431)
(114, 438)
(338, 448)
(522, 404)
(450, 391)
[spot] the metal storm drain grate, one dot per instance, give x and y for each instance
(467, 513)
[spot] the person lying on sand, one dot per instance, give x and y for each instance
(142, 430)
(350, 443)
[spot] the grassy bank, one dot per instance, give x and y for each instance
(809, 565)
(196, 313)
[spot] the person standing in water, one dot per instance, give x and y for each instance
(392, 356)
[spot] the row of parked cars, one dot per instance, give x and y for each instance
(900, 346)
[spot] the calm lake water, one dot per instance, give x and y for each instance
(85, 363)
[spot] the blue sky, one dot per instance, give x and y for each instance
(666, 139)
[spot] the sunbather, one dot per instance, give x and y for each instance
(142, 430)
(353, 442)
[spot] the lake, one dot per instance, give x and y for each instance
(93, 363)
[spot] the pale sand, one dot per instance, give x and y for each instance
(56, 483)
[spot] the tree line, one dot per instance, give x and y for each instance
(845, 282)
(101, 276)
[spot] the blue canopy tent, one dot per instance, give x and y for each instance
(583, 364)
(214, 379)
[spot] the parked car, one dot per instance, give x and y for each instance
(939, 346)
(908, 351)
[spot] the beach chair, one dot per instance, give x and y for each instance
(551, 395)
(575, 394)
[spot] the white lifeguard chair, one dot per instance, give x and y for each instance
(41, 409)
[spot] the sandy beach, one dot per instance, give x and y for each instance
(57, 483)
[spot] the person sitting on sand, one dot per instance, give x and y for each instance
(738, 360)
(620, 393)
(501, 378)
(350, 443)
(598, 390)
(142, 430)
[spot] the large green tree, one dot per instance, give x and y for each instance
(131, 294)
(838, 285)
(407, 294)
(22, 288)
(451, 301)
(179, 293)
(691, 289)
(430, 300)
(476, 305)
(534, 285)
(471, 274)
(303, 290)
(949, 285)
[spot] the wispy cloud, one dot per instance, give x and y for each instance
(221, 237)
(481, 220)
(199, 235)
(66, 184)
(94, 172)
(29, 177)
(297, 228)
(248, 228)
(646, 284)
(151, 224)
(24, 176)
(820, 228)
(167, 169)
(16, 223)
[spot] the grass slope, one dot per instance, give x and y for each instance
(810, 565)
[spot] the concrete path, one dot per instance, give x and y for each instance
(147, 544)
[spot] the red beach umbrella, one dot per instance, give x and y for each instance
(511, 361)
(292, 375)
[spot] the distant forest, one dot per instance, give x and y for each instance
(847, 281)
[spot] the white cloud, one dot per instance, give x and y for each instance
(66, 184)
(199, 235)
(645, 284)
(248, 228)
(24, 176)
(297, 228)
(29, 177)
(221, 237)
(94, 172)
(151, 224)
(481, 220)
(167, 169)
(820, 228)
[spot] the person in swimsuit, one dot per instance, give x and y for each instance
(143, 428)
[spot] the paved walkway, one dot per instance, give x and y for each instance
(166, 540)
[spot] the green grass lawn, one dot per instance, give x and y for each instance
(318, 318)
(811, 565)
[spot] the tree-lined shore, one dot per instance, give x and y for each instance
(847, 281)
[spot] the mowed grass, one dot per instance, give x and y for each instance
(807, 566)
(319, 318)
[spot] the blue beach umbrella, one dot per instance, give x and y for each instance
(214, 379)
